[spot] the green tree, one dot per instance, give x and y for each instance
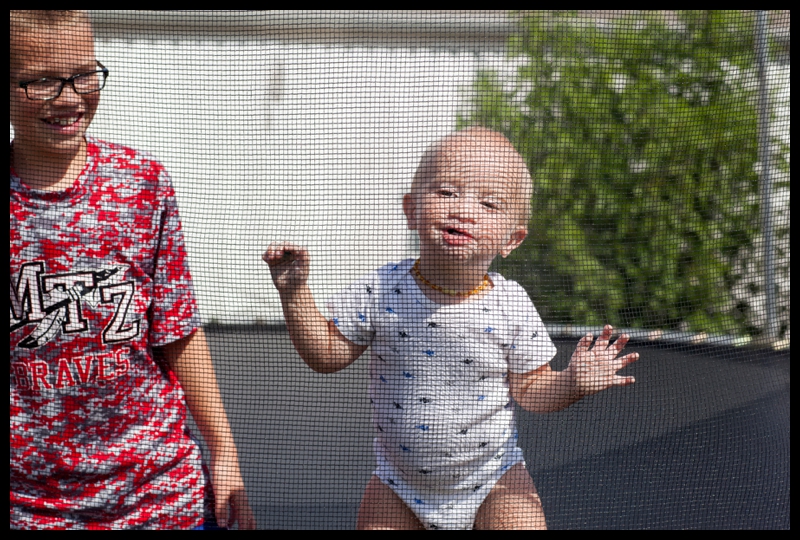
(642, 141)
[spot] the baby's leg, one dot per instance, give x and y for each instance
(513, 503)
(381, 508)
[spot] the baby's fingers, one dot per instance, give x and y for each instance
(607, 331)
(604, 338)
(584, 344)
(623, 381)
(621, 342)
(623, 362)
(275, 257)
(628, 359)
(273, 253)
(281, 252)
(615, 364)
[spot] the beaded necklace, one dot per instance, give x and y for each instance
(486, 283)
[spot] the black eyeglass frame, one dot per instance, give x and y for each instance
(70, 80)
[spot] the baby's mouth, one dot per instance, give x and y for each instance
(456, 237)
(458, 232)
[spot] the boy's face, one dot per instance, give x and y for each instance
(468, 210)
(56, 126)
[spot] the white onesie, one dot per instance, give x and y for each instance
(439, 386)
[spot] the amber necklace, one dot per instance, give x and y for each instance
(486, 283)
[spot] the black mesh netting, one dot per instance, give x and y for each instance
(658, 145)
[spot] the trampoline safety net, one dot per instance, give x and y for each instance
(399, 269)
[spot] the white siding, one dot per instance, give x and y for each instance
(306, 142)
(269, 140)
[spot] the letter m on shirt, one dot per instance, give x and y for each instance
(26, 295)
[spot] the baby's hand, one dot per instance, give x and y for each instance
(595, 368)
(288, 265)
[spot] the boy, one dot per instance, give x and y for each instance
(451, 345)
(105, 337)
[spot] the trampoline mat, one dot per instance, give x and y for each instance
(700, 441)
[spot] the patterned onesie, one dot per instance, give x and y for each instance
(98, 278)
(439, 388)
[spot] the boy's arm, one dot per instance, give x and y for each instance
(317, 340)
(592, 369)
(190, 360)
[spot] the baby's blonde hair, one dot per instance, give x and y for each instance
(488, 140)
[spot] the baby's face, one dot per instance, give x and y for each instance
(468, 211)
(56, 126)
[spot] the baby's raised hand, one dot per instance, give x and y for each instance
(288, 265)
(595, 367)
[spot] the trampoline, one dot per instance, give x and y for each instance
(689, 446)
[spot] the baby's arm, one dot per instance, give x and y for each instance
(591, 370)
(318, 341)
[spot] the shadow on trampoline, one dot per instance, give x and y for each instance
(701, 440)
(730, 471)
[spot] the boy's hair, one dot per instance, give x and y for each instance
(486, 139)
(27, 20)
(23, 19)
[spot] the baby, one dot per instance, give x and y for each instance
(451, 346)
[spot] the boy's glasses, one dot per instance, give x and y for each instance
(50, 87)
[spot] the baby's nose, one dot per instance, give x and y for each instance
(464, 208)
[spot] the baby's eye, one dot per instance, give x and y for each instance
(446, 193)
(490, 205)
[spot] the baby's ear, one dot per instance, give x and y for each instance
(409, 208)
(517, 237)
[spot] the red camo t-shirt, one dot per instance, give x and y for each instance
(99, 277)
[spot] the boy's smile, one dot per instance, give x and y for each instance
(63, 123)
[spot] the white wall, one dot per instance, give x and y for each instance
(268, 140)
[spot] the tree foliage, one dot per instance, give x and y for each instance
(641, 137)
